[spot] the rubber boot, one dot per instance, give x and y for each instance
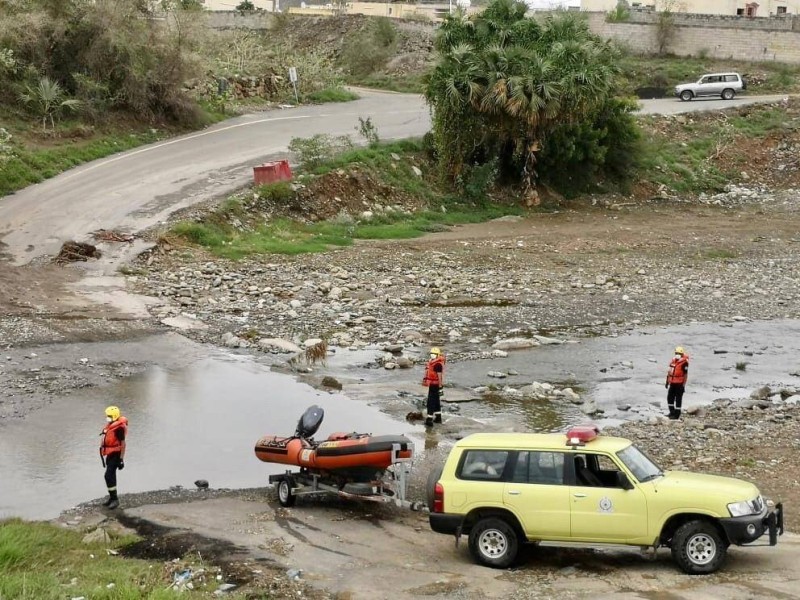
(429, 421)
(677, 414)
(671, 414)
(437, 418)
(108, 501)
(114, 501)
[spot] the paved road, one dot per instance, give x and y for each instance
(137, 189)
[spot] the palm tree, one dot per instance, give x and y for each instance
(504, 82)
(48, 100)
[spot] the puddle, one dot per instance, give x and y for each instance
(198, 422)
(770, 349)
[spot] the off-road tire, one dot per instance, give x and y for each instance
(285, 496)
(493, 543)
(728, 94)
(430, 486)
(699, 548)
(686, 95)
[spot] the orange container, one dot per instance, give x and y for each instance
(272, 172)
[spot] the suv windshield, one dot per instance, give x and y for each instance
(642, 467)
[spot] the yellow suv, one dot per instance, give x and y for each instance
(505, 489)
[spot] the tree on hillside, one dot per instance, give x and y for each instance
(48, 99)
(109, 54)
(506, 86)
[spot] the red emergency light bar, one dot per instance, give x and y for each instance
(580, 434)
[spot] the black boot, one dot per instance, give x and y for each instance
(108, 501)
(113, 501)
(671, 414)
(437, 418)
(429, 421)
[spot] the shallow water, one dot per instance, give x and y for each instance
(202, 421)
(199, 422)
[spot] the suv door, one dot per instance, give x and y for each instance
(537, 493)
(600, 510)
(709, 86)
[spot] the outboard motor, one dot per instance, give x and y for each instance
(310, 421)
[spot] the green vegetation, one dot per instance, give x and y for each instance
(40, 561)
(668, 71)
(287, 236)
(331, 94)
(706, 152)
(533, 95)
(720, 254)
(284, 236)
(368, 51)
(25, 164)
(741, 366)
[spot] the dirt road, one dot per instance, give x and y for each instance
(362, 551)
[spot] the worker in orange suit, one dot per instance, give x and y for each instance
(112, 451)
(677, 374)
(434, 381)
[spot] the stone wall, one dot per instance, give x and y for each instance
(710, 35)
(235, 20)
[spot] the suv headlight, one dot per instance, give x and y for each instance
(746, 507)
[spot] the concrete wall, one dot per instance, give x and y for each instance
(716, 37)
(707, 7)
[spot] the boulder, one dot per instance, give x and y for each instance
(515, 344)
(278, 345)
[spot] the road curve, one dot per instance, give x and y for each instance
(140, 188)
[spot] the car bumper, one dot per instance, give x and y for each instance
(744, 530)
(444, 523)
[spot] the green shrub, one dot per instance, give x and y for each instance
(278, 192)
(369, 50)
(313, 151)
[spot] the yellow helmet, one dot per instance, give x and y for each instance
(113, 413)
(679, 350)
(436, 351)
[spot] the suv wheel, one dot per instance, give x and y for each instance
(728, 94)
(493, 542)
(698, 547)
(686, 95)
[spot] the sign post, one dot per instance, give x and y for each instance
(293, 79)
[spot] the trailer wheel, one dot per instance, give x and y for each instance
(285, 496)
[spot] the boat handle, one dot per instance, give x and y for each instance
(513, 493)
(579, 495)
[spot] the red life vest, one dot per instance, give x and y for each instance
(676, 375)
(431, 376)
(110, 443)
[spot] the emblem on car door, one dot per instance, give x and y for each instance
(605, 505)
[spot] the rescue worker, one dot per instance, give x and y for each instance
(677, 374)
(434, 381)
(112, 451)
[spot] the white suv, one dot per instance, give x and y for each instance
(724, 85)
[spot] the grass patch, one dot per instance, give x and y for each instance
(741, 366)
(331, 94)
(286, 236)
(34, 157)
(40, 561)
(407, 83)
(720, 254)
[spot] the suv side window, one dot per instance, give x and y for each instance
(544, 468)
(731, 78)
(483, 465)
(595, 470)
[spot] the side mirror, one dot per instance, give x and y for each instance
(623, 481)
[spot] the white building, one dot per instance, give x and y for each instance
(232, 4)
(554, 4)
(750, 8)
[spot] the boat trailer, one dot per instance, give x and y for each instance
(388, 487)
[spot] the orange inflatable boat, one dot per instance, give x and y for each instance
(341, 451)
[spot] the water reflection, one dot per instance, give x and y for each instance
(185, 424)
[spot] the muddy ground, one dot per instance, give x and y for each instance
(749, 254)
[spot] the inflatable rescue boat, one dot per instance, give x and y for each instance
(350, 452)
